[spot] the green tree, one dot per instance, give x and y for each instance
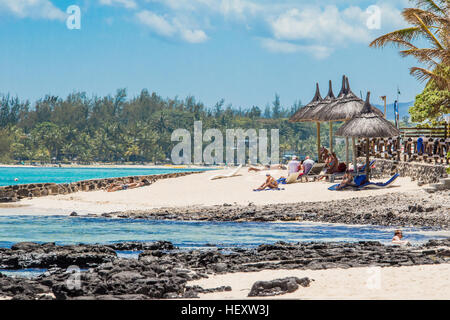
(431, 104)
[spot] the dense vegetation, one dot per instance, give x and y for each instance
(117, 128)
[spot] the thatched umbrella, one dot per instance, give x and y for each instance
(299, 116)
(367, 124)
(311, 113)
(346, 106)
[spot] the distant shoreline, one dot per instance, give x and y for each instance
(113, 166)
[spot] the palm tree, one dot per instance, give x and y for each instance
(430, 20)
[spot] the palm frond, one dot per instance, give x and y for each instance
(422, 74)
(428, 33)
(426, 55)
(429, 18)
(401, 37)
(437, 6)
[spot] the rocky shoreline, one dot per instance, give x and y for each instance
(162, 271)
(396, 209)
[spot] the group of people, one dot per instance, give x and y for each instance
(300, 166)
(293, 166)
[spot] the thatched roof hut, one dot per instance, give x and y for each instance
(312, 113)
(344, 108)
(299, 116)
(367, 124)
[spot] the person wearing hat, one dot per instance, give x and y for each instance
(269, 183)
(293, 165)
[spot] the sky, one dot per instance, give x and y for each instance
(242, 51)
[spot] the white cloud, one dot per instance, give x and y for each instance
(39, 9)
(129, 4)
(286, 25)
(328, 25)
(157, 23)
(228, 8)
(238, 8)
(193, 36)
(319, 52)
(170, 27)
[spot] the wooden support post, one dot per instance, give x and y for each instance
(384, 99)
(355, 162)
(346, 152)
(318, 142)
(367, 158)
(331, 136)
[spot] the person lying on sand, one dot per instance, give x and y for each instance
(125, 186)
(267, 167)
(397, 239)
(269, 183)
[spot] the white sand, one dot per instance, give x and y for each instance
(196, 190)
(414, 282)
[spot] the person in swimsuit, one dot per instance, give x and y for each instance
(269, 183)
(267, 167)
(347, 180)
(125, 186)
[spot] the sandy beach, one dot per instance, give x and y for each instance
(197, 190)
(412, 282)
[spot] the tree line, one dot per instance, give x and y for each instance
(116, 128)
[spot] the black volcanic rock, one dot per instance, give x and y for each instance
(33, 255)
(161, 274)
(278, 286)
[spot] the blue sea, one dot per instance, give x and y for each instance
(25, 175)
(188, 234)
(185, 235)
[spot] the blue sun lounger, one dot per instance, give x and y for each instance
(377, 185)
(363, 168)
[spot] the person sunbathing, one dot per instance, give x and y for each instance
(347, 180)
(269, 183)
(331, 166)
(323, 154)
(333, 163)
(267, 167)
(397, 239)
(125, 186)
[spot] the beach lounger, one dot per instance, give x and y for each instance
(314, 172)
(338, 175)
(292, 177)
(375, 185)
(234, 173)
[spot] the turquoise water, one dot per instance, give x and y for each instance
(66, 175)
(71, 230)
